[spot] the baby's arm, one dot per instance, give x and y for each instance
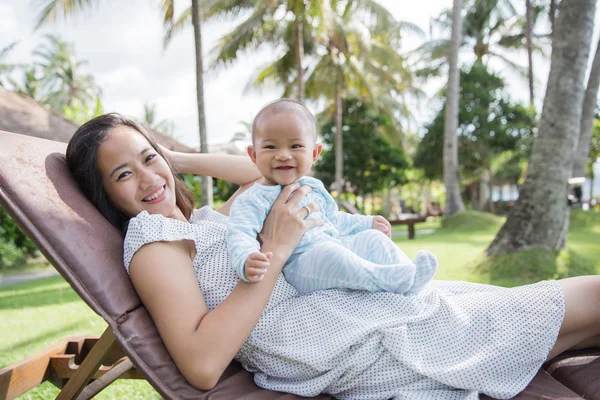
(345, 223)
(246, 219)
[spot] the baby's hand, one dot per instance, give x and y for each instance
(256, 266)
(383, 225)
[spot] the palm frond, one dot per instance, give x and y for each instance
(173, 27)
(51, 9)
(228, 9)
(7, 49)
(514, 66)
(411, 29)
(249, 35)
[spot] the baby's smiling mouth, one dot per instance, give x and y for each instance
(285, 167)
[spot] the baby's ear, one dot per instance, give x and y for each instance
(252, 153)
(317, 151)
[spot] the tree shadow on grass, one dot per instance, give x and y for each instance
(59, 333)
(43, 292)
(524, 267)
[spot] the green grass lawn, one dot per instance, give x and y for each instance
(34, 315)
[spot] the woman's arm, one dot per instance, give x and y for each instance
(203, 343)
(236, 169)
(226, 207)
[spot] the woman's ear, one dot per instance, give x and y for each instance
(317, 151)
(252, 154)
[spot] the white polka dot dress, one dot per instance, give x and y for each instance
(453, 341)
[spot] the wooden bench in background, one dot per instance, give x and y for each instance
(410, 220)
(405, 219)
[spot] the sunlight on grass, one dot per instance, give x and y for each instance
(34, 315)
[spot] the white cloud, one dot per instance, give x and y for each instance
(8, 20)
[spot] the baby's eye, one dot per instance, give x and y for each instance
(296, 146)
(123, 175)
(270, 147)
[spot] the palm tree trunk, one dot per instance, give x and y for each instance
(592, 178)
(528, 33)
(197, 21)
(339, 153)
(552, 17)
(454, 202)
(540, 217)
(587, 117)
(299, 57)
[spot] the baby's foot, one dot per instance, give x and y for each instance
(426, 264)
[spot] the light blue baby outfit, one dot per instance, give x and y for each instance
(344, 252)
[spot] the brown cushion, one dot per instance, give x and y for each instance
(543, 386)
(579, 371)
(36, 188)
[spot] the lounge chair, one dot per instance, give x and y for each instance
(38, 191)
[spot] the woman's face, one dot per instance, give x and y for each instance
(134, 176)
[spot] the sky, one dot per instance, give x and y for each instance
(122, 44)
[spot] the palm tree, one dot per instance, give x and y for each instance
(150, 119)
(529, 45)
(587, 117)
(491, 29)
(274, 22)
(62, 82)
(193, 14)
(329, 52)
(267, 23)
(540, 217)
(6, 69)
(454, 203)
(357, 59)
(30, 85)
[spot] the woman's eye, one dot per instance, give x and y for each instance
(150, 157)
(123, 175)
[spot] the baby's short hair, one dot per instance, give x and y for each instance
(286, 106)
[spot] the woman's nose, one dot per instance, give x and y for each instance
(147, 179)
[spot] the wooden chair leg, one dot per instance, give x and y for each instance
(70, 365)
(89, 366)
(99, 384)
(25, 375)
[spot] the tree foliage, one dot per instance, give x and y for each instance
(488, 125)
(371, 163)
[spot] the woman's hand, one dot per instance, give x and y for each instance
(286, 222)
(167, 154)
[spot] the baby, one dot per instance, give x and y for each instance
(347, 251)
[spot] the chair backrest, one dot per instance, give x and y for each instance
(37, 189)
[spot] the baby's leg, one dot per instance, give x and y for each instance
(331, 265)
(375, 246)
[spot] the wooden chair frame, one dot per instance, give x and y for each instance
(70, 365)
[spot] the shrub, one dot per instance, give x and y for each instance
(15, 246)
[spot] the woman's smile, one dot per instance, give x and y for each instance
(156, 196)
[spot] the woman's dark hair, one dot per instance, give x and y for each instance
(81, 159)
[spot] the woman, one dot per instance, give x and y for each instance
(452, 341)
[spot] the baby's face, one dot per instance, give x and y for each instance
(284, 148)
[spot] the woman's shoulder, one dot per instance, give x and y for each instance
(206, 213)
(148, 228)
